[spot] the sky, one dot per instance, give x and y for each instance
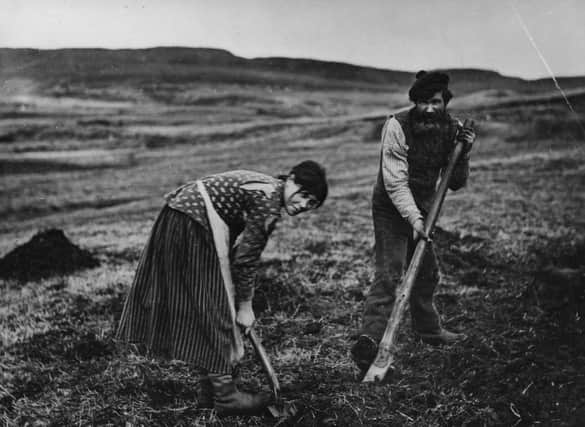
(513, 37)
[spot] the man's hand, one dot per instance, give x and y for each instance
(245, 317)
(467, 136)
(418, 230)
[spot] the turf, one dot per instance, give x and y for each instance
(511, 249)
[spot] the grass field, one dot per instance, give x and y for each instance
(95, 161)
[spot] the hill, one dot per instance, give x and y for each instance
(192, 65)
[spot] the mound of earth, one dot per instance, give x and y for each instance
(48, 253)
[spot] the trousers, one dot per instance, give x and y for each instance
(394, 246)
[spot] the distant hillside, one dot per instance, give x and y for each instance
(191, 65)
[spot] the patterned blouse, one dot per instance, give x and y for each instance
(250, 204)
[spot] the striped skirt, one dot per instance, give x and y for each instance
(177, 306)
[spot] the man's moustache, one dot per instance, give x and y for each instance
(429, 124)
(429, 117)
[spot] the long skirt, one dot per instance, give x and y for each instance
(177, 306)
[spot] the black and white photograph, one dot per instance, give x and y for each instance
(292, 213)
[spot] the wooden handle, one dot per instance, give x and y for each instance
(263, 356)
(385, 357)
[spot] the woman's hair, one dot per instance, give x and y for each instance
(311, 177)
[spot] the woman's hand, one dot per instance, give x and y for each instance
(245, 317)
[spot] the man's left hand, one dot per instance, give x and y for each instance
(467, 136)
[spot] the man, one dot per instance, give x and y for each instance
(416, 145)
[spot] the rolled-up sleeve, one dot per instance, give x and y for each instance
(395, 171)
(460, 173)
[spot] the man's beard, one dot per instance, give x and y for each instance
(428, 124)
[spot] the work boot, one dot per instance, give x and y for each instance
(236, 371)
(205, 393)
(364, 352)
(441, 337)
(228, 400)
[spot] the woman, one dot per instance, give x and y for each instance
(181, 305)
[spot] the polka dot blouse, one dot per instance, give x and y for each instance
(249, 203)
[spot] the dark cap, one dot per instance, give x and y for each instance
(427, 84)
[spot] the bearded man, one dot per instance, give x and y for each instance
(416, 145)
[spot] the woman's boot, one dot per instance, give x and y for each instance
(228, 400)
(205, 395)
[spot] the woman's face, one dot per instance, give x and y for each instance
(297, 200)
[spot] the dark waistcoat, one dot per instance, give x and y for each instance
(426, 157)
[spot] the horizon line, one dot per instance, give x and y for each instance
(544, 77)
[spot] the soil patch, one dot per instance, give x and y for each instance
(48, 253)
(559, 284)
(461, 252)
(277, 289)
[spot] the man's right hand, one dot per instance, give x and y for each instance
(418, 230)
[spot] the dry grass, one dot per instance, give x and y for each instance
(522, 364)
